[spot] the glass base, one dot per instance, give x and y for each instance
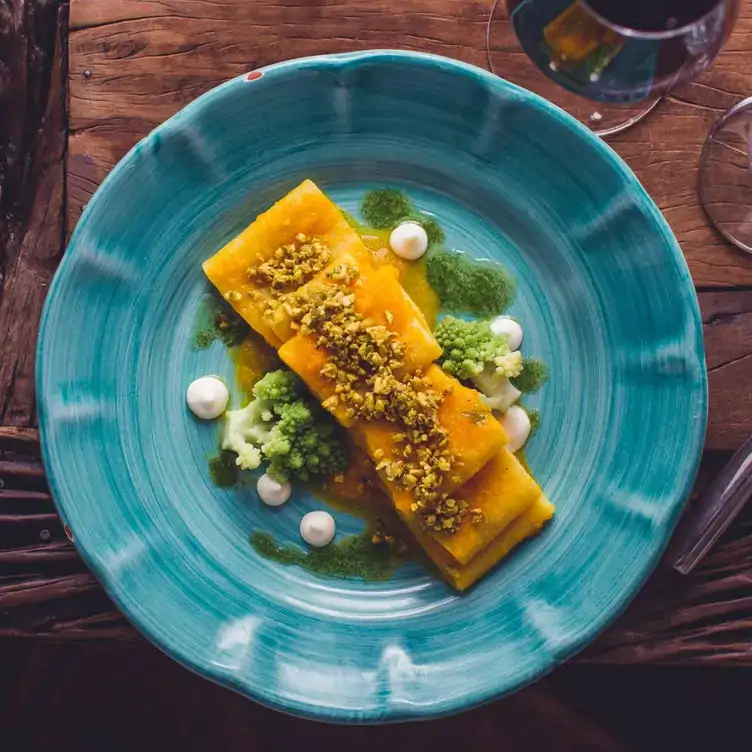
(507, 60)
(726, 177)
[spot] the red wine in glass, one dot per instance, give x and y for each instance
(622, 51)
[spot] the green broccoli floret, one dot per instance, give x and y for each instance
(534, 375)
(283, 425)
(428, 223)
(464, 285)
(383, 208)
(470, 348)
(278, 388)
(304, 442)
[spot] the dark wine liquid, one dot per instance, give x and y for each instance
(577, 43)
(652, 15)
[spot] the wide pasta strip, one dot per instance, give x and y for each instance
(306, 209)
(401, 317)
(502, 491)
(474, 434)
(477, 498)
(462, 576)
(381, 300)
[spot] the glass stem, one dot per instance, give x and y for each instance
(713, 511)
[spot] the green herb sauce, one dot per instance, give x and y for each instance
(354, 556)
(534, 375)
(223, 470)
(464, 285)
(383, 208)
(216, 320)
(535, 418)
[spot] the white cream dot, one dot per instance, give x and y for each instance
(409, 240)
(272, 492)
(207, 397)
(317, 528)
(516, 423)
(510, 328)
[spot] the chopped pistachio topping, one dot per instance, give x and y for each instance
(365, 365)
(292, 265)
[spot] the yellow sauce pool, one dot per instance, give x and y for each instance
(412, 274)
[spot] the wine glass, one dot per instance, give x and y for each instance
(726, 175)
(624, 55)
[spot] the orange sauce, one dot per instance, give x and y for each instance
(252, 359)
(412, 274)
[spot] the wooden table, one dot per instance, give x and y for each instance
(80, 85)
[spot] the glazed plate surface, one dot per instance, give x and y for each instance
(606, 300)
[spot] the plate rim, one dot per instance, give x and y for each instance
(638, 192)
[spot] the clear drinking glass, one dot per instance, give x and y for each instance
(609, 62)
(726, 175)
(622, 55)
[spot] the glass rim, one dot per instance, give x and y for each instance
(625, 31)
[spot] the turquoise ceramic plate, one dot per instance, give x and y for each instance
(605, 297)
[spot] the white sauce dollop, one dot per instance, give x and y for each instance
(409, 240)
(207, 397)
(272, 492)
(317, 528)
(517, 426)
(509, 327)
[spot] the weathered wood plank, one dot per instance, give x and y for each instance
(14, 439)
(33, 139)
(32, 147)
(135, 64)
(727, 328)
(44, 587)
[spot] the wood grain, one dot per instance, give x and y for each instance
(727, 328)
(33, 139)
(73, 698)
(135, 63)
(46, 591)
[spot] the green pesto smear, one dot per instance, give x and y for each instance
(224, 470)
(534, 375)
(464, 285)
(385, 208)
(217, 321)
(353, 556)
(535, 418)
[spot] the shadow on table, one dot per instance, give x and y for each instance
(125, 696)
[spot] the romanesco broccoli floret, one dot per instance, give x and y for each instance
(304, 442)
(282, 425)
(470, 347)
(278, 388)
